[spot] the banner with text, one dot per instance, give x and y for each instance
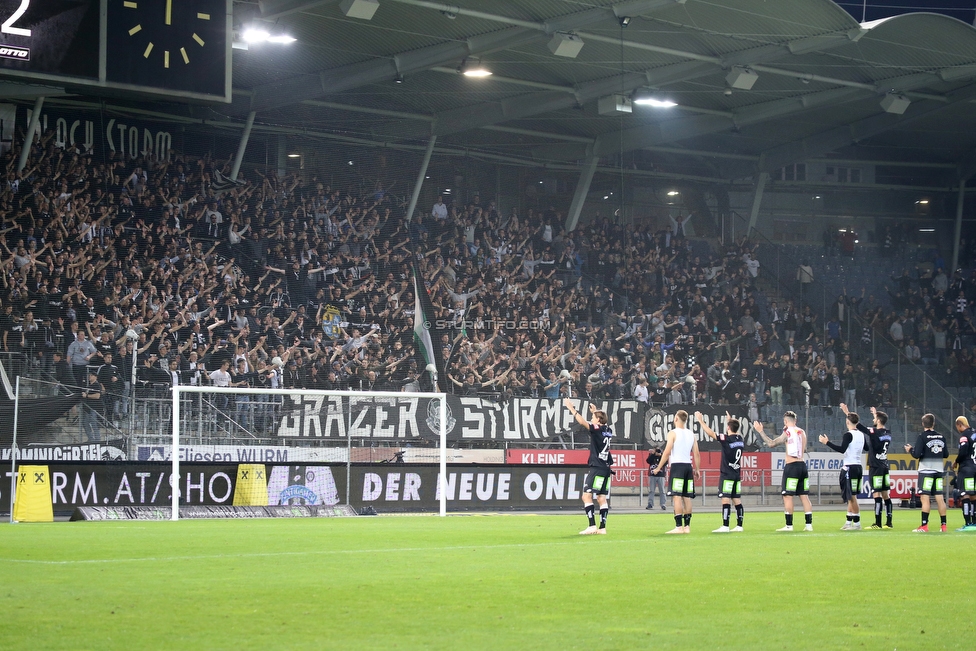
(473, 488)
(105, 451)
(661, 421)
(242, 454)
(468, 418)
(384, 487)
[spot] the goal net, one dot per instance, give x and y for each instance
(309, 439)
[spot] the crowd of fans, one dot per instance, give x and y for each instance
(282, 282)
(927, 314)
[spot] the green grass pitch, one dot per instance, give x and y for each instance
(495, 582)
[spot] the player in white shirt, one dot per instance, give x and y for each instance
(852, 474)
(796, 480)
(685, 463)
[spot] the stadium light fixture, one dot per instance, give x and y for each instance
(741, 78)
(565, 45)
(895, 104)
(655, 100)
(472, 67)
(361, 9)
(255, 35)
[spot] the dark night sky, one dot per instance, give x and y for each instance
(964, 10)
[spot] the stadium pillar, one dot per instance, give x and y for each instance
(282, 154)
(420, 178)
(757, 201)
(242, 146)
(960, 201)
(29, 138)
(582, 189)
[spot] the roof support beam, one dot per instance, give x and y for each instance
(274, 9)
(582, 190)
(828, 141)
(757, 201)
(696, 66)
(960, 202)
(310, 86)
(682, 128)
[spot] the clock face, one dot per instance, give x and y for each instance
(172, 44)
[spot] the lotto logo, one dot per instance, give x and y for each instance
(17, 53)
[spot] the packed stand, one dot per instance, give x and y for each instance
(280, 282)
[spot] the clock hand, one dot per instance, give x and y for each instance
(169, 12)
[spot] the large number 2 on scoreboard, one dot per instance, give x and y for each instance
(18, 31)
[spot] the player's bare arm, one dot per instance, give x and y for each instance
(667, 452)
(770, 442)
(705, 428)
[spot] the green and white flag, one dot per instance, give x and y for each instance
(425, 332)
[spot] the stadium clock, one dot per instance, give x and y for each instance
(173, 44)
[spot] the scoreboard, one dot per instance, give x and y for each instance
(177, 48)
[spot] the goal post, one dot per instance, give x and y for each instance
(179, 392)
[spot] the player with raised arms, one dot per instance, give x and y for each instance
(878, 439)
(682, 453)
(730, 475)
(796, 479)
(598, 478)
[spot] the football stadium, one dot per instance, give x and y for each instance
(491, 324)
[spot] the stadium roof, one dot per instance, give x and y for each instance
(899, 89)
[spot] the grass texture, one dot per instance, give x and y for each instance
(483, 582)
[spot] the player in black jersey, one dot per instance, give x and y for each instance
(598, 478)
(730, 474)
(930, 449)
(878, 439)
(965, 466)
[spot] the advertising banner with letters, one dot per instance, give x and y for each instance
(382, 486)
(473, 488)
(630, 466)
(243, 454)
(103, 451)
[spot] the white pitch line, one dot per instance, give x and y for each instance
(337, 552)
(332, 552)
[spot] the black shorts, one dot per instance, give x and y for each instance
(966, 480)
(879, 479)
(681, 480)
(850, 482)
(796, 480)
(729, 487)
(930, 483)
(597, 482)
